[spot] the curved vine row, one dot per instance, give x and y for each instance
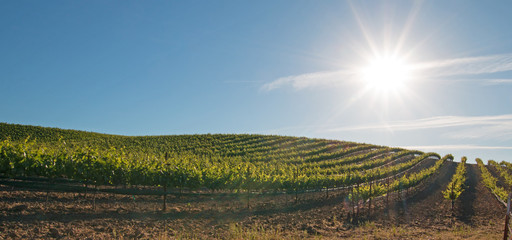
(456, 186)
(490, 181)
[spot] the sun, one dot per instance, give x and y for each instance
(386, 74)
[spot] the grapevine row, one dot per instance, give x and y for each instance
(369, 191)
(120, 167)
(456, 186)
(490, 181)
(504, 173)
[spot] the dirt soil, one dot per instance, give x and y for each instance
(25, 213)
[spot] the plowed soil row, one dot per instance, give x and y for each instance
(476, 206)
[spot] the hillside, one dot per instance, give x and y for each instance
(201, 144)
(228, 186)
(217, 162)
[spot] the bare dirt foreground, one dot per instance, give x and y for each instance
(25, 213)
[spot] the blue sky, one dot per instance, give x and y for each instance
(269, 67)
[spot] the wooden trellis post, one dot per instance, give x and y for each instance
(507, 219)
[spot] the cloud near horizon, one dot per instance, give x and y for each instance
(435, 69)
(496, 127)
(457, 147)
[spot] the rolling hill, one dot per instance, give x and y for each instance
(274, 186)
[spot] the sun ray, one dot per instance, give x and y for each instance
(369, 39)
(408, 24)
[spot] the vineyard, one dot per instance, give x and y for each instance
(230, 182)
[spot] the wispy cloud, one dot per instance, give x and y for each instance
(468, 127)
(467, 66)
(434, 69)
(434, 122)
(498, 81)
(497, 130)
(457, 147)
(327, 78)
